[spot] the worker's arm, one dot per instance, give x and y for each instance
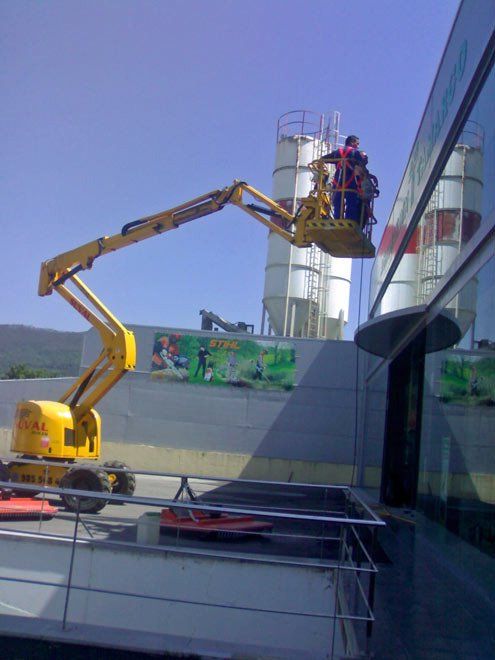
(332, 156)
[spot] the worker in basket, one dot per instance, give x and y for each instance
(353, 186)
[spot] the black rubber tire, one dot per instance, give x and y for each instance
(125, 482)
(85, 477)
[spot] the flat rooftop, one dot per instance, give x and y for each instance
(435, 594)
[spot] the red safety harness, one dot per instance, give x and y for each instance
(342, 165)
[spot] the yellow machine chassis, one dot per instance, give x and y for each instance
(38, 475)
(45, 475)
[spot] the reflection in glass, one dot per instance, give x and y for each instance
(452, 217)
(456, 485)
(463, 199)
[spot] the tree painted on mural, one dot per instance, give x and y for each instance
(468, 380)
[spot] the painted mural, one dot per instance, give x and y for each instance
(212, 361)
(468, 380)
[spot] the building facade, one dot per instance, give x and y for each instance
(431, 327)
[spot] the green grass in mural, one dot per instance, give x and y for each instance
(224, 362)
(468, 380)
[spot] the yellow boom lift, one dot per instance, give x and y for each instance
(64, 432)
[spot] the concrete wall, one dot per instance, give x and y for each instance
(375, 408)
(307, 434)
(165, 601)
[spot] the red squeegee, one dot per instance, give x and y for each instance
(218, 524)
(22, 508)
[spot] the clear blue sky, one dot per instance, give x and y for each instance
(114, 109)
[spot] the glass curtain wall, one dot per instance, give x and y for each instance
(456, 485)
(462, 201)
(371, 456)
(454, 453)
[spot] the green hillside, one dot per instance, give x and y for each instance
(56, 353)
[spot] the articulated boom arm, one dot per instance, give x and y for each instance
(312, 223)
(55, 271)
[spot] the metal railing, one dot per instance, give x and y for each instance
(313, 526)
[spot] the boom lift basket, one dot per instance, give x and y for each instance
(339, 236)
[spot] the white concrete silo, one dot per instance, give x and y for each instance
(306, 292)
(452, 217)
